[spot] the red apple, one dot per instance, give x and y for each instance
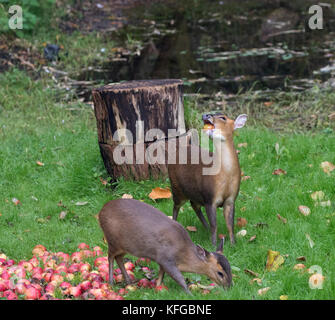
(10, 262)
(50, 288)
(117, 271)
(161, 288)
(118, 278)
(10, 295)
(69, 276)
(99, 261)
(97, 293)
(3, 285)
(61, 269)
(131, 288)
(85, 267)
(5, 275)
(87, 253)
(76, 256)
(83, 246)
(39, 250)
(129, 266)
(75, 291)
(26, 265)
(104, 267)
(57, 278)
(122, 291)
(73, 268)
(85, 285)
(32, 294)
(65, 286)
(144, 283)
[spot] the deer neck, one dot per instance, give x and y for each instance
(225, 154)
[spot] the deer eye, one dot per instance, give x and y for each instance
(223, 118)
(220, 274)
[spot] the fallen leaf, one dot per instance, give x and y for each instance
(252, 273)
(263, 291)
(62, 215)
(103, 181)
(242, 145)
(127, 196)
(241, 222)
(299, 266)
(244, 178)
(191, 228)
(261, 225)
(301, 258)
(279, 172)
(331, 116)
(274, 260)
(317, 195)
(268, 103)
(160, 193)
(281, 218)
(327, 167)
(323, 203)
(316, 280)
(252, 238)
(304, 210)
(170, 217)
(39, 163)
(311, 242)
(83, 203)
(258, 280)
(241, 233)
(243, 209)
(283, 297)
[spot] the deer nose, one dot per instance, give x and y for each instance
(206, 116)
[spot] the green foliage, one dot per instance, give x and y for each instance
(35, 13)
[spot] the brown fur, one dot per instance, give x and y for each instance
(131, 226)
(210, 191)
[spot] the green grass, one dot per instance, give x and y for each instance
(34, 126)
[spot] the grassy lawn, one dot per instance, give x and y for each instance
(35, 126)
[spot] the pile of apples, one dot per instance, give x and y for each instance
(55, 276)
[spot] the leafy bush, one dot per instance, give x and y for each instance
(34, 12)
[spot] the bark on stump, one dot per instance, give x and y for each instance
(137, 106)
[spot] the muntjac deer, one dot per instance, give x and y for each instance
(188, 181)
(131, 226)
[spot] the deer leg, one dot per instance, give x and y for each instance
(119, 260)
(211, 214)
(197, 209)
(229, 213)
(160, 276)
(111, 265)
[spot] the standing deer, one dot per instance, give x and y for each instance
(188, 181)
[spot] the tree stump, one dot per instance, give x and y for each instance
(134, 120)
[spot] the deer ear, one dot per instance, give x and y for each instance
(240, 121)
(220, 246)
(202, 253)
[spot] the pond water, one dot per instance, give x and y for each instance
(225, 46)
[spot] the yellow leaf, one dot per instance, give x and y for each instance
(127, 196)
(304, 210)
(274, 260)
(191, 228)
(283, 297)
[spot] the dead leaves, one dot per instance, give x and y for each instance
(304, 210)
(279, 172)
(160, 193)
(283, 220)
(191, 228)
(241, 222)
